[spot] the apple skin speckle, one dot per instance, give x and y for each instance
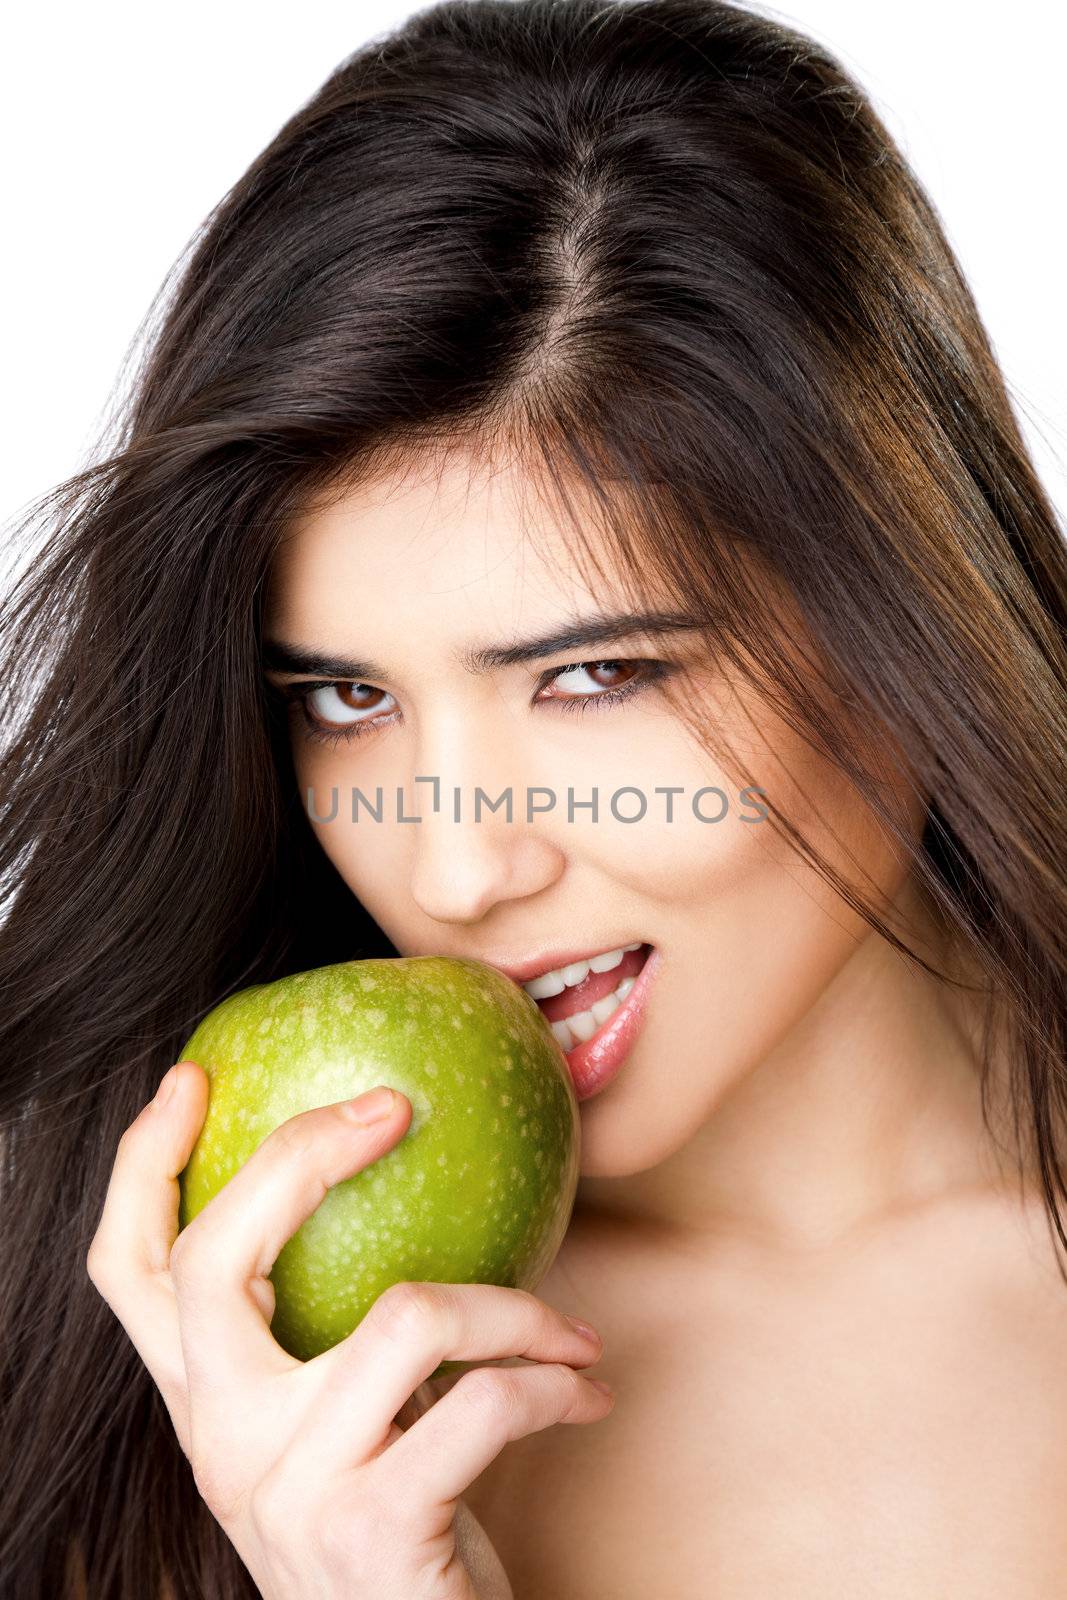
(475, 1057)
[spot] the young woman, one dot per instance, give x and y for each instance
(573, 397)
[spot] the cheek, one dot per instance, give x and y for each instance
(774, 931)
(753, 937)
(367, 854)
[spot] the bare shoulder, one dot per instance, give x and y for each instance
(998, 1246)
(979, 1268)
(911, 1375)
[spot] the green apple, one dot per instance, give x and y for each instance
(481, 1187)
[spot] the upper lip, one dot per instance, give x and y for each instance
(549, 961)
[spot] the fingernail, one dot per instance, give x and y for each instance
(584, 1329)
(167, 1086)
(605, 1388)
(374, 1106)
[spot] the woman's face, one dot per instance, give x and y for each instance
(408, 574)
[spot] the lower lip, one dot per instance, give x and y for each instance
(594, 1062)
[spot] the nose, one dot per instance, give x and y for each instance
(462, 869)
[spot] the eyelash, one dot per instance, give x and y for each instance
(298, 694)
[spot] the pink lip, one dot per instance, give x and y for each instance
(594, 1063)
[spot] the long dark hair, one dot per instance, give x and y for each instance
(668, 251)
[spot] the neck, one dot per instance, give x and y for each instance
(870, 1105)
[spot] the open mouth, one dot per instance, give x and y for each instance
(577, 1000)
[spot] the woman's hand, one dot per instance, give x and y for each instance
(304, 1464)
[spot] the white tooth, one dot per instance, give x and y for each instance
(583, 1025)
(574, 973)
(564, 1037)
(606, 962)
(602, 1009)
(624, 987)
(636, 946)
(548, 983)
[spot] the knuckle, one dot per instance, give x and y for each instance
(408, 1313)
(357, 1524)
(105, 1274)
(213, 1484)
(95, 1264)
(127, 1137)
(179, 1251)
(131, 1135)
(272, 1505)
(348, 1534)
(296, 1139)
(531, 1305)
(186, 1252)
(493, 1395)
(573, 1389)
(539, 1311)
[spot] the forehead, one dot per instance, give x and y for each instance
(431, 544)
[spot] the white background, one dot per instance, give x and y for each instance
(122, 124)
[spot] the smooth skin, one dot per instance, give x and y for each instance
(835, 1330)
(834, 1326)
(305, 1465)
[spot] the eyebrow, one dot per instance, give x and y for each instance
(281, 657)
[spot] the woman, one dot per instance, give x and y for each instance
(537, 317)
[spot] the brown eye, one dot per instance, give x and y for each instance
(339, 706)
(604, 675)
(337, 712)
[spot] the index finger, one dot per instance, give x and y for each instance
(221, 1260)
